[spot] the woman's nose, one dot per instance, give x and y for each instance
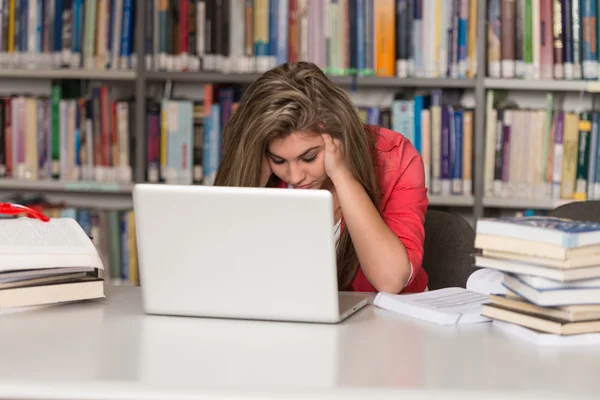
(296, 175)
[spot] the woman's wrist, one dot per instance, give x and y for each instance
(341, 177)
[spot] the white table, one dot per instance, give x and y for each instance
(109, 349)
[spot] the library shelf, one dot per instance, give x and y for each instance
(67, 73)
(451, 201)
(91, 187)
(542, 85)
(516, 203)
(361, 81)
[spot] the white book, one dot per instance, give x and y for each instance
(547, 339)
(535, 21)
(27, 243)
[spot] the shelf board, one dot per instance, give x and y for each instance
(364, 81)
(452, 201)
(534, 204)
(201, 77)
(66, 186)
(544, 85)
(394, 82)
(92, 74)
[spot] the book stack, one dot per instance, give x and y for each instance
(47, 262)
(551, 271)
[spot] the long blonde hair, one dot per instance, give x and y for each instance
(298, 97)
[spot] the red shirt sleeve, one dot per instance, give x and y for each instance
(404, 205)
(405, 212)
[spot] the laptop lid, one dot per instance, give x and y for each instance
(257, 253)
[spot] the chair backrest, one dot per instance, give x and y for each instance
(448, 249)
(578, 210)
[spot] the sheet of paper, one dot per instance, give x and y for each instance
(444, 306)
(30, 236)
(486, 281)
(449, 300)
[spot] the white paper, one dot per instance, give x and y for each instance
(33, 236)
(486, 281)
(443, 306)
(27, 244)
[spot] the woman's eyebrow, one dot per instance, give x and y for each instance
(301, 155)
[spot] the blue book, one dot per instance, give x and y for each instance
(561, 232)
(456, 155)
(403, 118)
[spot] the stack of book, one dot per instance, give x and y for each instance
(551, 271)
(47, 262)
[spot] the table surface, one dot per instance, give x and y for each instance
(109, 349)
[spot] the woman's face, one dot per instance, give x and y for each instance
(298, 159)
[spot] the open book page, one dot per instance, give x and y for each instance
(486, 281)
(443, 306)
(27, 243)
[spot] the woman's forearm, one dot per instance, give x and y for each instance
(381, 254)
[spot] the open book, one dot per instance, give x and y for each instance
(47, 262)
(448, 306)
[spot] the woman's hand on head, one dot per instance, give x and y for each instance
(335, 164)
(265, 172)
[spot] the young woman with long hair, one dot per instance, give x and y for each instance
(294, 128)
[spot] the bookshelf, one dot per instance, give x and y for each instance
(546, 85)
(141, 78)
(81, 74)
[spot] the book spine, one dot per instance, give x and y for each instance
(558, 40)
(493, 38)
(590, 52)
(567, 29)
(576, 31)
(592, 156)
(507, 40)
(585, 128)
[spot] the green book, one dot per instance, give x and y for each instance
(585, 129)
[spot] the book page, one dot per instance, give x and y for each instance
(486, 281)
(32, 236)
(449, 300)
(442, 306)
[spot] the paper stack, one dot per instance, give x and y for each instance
(551, 271)
(45, 263)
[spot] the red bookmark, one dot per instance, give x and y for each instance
(16, 209)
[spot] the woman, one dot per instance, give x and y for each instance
(293, 128)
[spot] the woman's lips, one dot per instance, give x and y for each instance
(302, 186)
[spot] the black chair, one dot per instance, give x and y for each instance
(578, 210)
(448, 249)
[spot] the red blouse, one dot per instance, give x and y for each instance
(404, 203)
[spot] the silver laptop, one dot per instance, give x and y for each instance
(249, 253)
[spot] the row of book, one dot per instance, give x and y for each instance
(549, 269)
(184, 137)
(90, 138)
(543, 39)
(545, 153)
(427, 38)
(92, 34)
(85, 138)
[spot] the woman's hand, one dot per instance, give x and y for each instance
(335, 163)
(265, 172)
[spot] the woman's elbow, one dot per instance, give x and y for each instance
(395, 279)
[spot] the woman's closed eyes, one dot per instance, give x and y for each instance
(305, 159)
